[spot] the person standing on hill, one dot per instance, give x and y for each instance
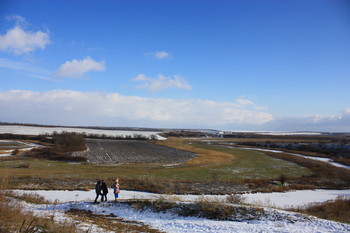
(104, 189)
(98, 190)
(116, 189)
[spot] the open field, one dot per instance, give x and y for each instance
(214, 169)
(177, 165)
(131, 151)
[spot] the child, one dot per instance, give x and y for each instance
(116, 189)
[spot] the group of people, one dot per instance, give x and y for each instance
(101, 189)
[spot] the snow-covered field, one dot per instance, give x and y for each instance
(32, 130)
(276, 221)
(13, 145)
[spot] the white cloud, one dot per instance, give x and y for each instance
(160, 55)
(82, 108)
(244, 101)
(19, 41)
(67, 107)
(327, 123)
(161, 82)
(76, 69)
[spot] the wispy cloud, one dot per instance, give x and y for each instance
(77, 68)
(19, 41)
(161, 82)
(70, 69)
(19, 20)
(24, 67)
(244, 102)
(72, 107)
(160, 55)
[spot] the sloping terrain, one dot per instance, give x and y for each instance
(174, 219)
(133, 151)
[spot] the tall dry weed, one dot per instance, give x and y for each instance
(338, 210)
(13, 219)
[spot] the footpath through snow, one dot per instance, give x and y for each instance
(275, 221)
(290, 199)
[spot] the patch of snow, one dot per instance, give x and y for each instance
(300, 198)
(297, 198)
(276, 221)
(5, 154)
(23, 146)
(58, 215)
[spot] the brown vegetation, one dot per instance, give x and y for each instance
(68, 142)
(12, 219)
(203, 208)
(203, 156)
(337, 210)
(110, 224)
(63, 145)
(324, 174)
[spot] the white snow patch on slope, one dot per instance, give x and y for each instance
(276, 221)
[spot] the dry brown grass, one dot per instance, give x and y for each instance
(203, 156)
(320, 169)
(111, 224)
(209, 208)
(338, 210)
(12, 219)
(30, 198)
(342, 160)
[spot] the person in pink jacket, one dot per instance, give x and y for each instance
(116, 189)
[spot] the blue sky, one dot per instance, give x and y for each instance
(236, 65)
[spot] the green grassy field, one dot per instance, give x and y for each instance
(247, 164)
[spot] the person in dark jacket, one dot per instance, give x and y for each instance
(104, 189)
(98, 190)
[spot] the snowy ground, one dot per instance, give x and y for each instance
(276, 221)
(32, 130)
(298, 198)
(15, 145)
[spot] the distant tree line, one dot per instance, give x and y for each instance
(121, 137)
(49, 137)
(9, 136)
(185, 133)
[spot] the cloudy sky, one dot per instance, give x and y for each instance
(234, 65)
